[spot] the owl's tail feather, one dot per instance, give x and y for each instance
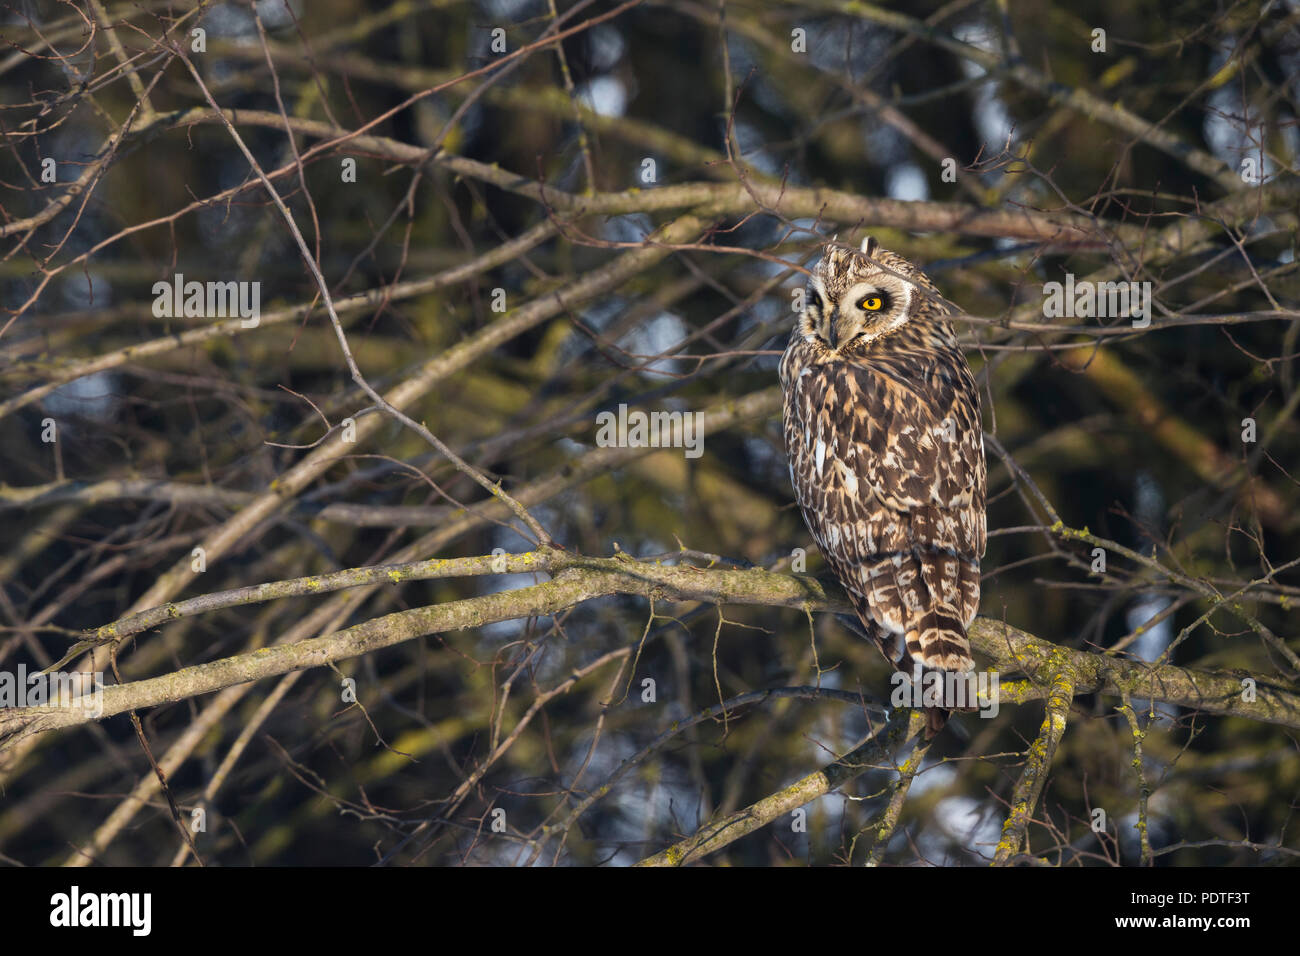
(939, 643)
(935, 720)
(939, 640)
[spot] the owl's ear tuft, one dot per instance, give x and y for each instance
(869, 246)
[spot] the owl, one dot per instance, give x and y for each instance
(882, 431)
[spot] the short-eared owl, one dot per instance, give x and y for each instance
(882, 429)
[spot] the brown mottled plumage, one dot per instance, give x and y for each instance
(882, 429)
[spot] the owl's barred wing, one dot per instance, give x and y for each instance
(888, 467)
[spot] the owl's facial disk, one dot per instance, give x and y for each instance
(865, 312)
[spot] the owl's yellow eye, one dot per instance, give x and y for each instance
(871, 303)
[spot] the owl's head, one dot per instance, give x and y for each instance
(857, 297)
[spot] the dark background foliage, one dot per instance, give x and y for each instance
(1134, 434)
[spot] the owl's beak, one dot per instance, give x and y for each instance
(831, 329)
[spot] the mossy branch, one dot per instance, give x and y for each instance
(1029, 788)
(576, 579)
(874, 754)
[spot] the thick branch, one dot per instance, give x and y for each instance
(579, 579)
